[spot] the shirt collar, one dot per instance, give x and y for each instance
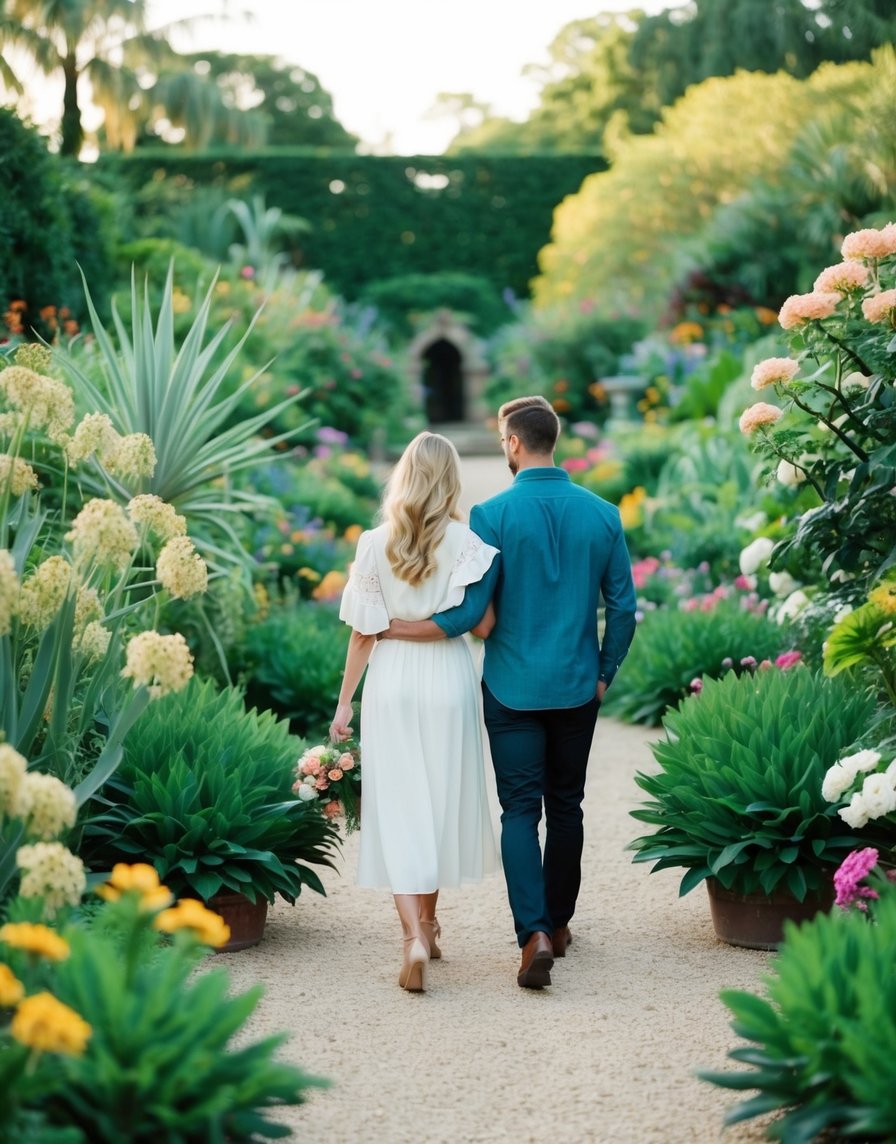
(552, 473)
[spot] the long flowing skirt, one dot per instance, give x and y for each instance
(425, 821)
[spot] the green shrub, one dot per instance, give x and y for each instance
(738, 792)
(401, 301)
(673, 648)
(204, 794)
(823, 1039)
(158, 1063)
(294, 663)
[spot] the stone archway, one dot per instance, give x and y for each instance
(447, 368)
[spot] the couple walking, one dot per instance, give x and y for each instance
(526, 576)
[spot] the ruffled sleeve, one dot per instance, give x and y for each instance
(363, 606)
(473, 561)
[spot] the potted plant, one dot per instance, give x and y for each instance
(204, 794)
(737, 800)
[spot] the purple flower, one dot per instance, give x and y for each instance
(329, 436)
(849, 874)
(727, 663)
(748, 661)
(696, 685)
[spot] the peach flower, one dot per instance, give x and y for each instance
(774, 369)
(880, 307)
(801, 308)
(842, 277)
(869, 244)
(759, 414)
(334, 775)
(346, 761)
(333, 809)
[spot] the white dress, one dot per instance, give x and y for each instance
(425, 821)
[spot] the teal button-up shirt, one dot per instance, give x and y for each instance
(561, 549)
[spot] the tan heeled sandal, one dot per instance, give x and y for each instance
(435, 932)
(413, 970)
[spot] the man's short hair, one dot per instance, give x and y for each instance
(533, 420)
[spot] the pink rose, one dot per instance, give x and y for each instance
(333, 809)
(334, 775)
(321, 783)
(346, 761)
(800, 308)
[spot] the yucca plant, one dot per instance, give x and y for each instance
(737, 796)
(184, 400)
(823, 1039)
(204, 794)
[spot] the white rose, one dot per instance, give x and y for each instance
(836, 783)
(879, 795)
(792, 606)
(306, 793)
(855, 381)
(789, 475)
(782, 583)
(861, 762)
(856, 814)
(755, 555)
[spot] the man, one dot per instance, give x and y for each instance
(544, 671)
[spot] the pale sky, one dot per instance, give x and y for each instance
(385, 61)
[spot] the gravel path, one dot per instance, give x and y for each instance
(607, 1054)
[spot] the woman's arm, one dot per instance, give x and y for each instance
(484, 628)
(356, 657)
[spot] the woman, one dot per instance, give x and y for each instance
(425, 821)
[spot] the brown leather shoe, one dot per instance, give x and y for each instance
(560, 939)
(538, 958)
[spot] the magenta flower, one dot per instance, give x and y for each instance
(788, 659)
(849, 875)
(696, 685)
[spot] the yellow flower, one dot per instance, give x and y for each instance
(330, 587)
(43, 1022)
(11, 989)
(37, 939)
(352, 533)
(884, 597)
(94, 435)
(160, 663)
(308, 574)
(630, 508)
(140, 878)
(209, 927)
(135, 457)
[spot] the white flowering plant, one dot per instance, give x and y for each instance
(331, 773)
(864, 782)
(834, 428)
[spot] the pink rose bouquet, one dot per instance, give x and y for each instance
(331, 773)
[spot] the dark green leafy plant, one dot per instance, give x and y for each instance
(823, 1040)
(158, 1063)
(204, 794)
(294, 659)
(738, 795)
(673, 648)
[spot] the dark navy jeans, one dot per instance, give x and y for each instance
(540, 759)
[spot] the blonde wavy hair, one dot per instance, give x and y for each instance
(421, 498)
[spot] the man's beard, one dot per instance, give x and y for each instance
(512, 465)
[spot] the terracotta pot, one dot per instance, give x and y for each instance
(756, 921)
(246, 919)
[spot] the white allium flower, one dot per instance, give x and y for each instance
(94, 435)
(46, 806)
(12, 770)
(135, 457)
(755, 555)
(93, 642)
(43, 592)
(103, 533)
(160, 663)
(51, 872)
(9, 591)
(18, 473)
(181, 569)
(160, 518)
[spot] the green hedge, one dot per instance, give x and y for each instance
(377, 216)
